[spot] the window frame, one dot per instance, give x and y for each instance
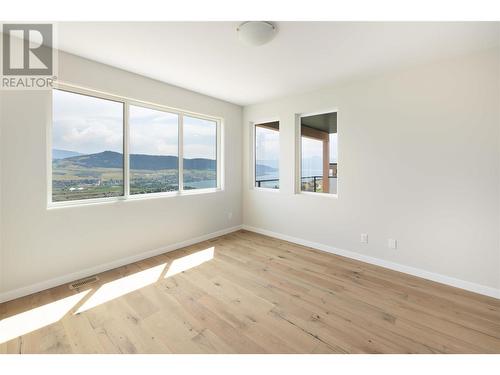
(218, 154)
(253, 154)
(127, 102)
(153, 107)
(298, 158)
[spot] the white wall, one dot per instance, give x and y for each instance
(419, 161)
(1, 163)
(39, 244)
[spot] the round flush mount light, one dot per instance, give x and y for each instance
(256, 33)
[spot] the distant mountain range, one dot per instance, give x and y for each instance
(274, 163)
(111, 159)
(261, 170)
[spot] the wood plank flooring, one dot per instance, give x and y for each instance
(256, 295)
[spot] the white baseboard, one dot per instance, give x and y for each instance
(30, 289)
(472, 287)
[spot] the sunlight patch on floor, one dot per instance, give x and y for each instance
(190, 261)
(122, 286)
(39, 317)
(117, 288)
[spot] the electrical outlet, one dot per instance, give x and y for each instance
(364, 237)
(392, 243)
(229, 215)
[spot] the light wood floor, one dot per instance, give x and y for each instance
(257, 295)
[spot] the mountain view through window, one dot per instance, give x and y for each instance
(154, 149)
(200, 152)
(87, 149)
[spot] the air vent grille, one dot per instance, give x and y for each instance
(83, 282)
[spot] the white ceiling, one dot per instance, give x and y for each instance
(208, 58)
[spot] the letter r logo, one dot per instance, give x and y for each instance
(27, 49)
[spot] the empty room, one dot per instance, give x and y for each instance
(250, 187)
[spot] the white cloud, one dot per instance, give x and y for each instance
(86, 124)
(153, 132)
(199, 138)
(312, 156)
(267, 144)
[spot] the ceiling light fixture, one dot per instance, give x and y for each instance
(256, 33)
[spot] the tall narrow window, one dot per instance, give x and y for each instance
(154, 151)
(87, 147)
(267, 148)
(319, 153)
(200, 153)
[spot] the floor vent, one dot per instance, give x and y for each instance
(83, 282)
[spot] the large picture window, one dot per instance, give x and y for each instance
(87, 147)
(92, 136)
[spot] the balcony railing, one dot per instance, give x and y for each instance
(311, 181)
(259, 182)
(315, 182)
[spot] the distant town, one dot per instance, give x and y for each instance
(85, 176)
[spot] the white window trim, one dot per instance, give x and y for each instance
(127, 197)
(253, 156)
(298, 158)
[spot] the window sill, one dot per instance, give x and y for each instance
(84, 202)
(201, 191)
(269, 190)
(130, 198)
(312, 193)
(140, 197)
